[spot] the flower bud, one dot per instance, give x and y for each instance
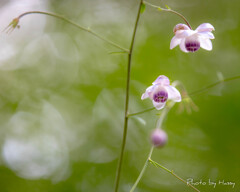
(12, 25)
(159, 138)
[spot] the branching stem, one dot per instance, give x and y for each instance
(143, 170)
(175, 175)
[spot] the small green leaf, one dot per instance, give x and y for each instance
(159, 9)
(143, 7)
(167, 7)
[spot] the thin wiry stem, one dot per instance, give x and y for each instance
(164, 114)
(169, 10)
(127, 99)
(70, 22)
(206, 88)
(142, 171)
(175, 175)
(158, 126)
(213, 85)
(140, 112)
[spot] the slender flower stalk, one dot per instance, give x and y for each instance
(168, 10)
(213, 85)
(143, 170)
(164, 114)
(127, 99)
(149, 160)
(204, 89)
(15, 22)
(159, 124)
(175, 175)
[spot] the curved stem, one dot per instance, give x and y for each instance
(143, 170)
(76, 25)
(169, 10)
(175, 175)
(213, 85)
(127, 99)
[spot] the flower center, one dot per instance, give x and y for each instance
(160, 96)
(192, 45)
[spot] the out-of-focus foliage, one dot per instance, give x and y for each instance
(62, 97)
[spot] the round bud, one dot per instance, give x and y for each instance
(159, 138)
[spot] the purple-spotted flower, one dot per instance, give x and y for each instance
(191, 40)
(159, 138)
(161, 91)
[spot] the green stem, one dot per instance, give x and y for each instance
(159, 124)
(175, 175)
(164, 114)
(143, 170)
(76, 25)
(169, 10)
(127, 100)
(140, 112)
(213, 85)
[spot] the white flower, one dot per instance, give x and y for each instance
(191, 40)
(161, 91)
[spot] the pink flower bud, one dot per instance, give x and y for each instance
(159, 138)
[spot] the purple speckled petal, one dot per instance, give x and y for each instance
(173, 93)
(158, 106)
(192, 44)
(162, 79)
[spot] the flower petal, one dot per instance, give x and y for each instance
(158, 106)
(173, 93)
(206, 35)
(147, 92)
(144, 96)
(205, 43)
(174, 42)
(182, 46)
(162, 79)
(184, 33)
(180, 26)
(205, 27)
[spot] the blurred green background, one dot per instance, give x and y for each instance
(62, 97)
